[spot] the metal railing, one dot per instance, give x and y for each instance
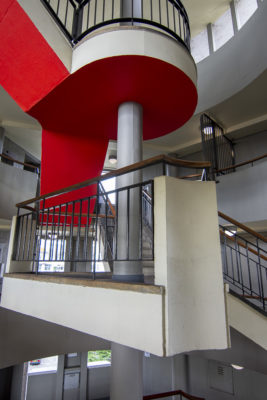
(85, 234)
(217, 148)
(177, 394)
(244, 261)
(79, 18)
(82, 231)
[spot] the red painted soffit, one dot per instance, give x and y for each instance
(86, 102)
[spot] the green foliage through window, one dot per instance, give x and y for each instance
(99, 355)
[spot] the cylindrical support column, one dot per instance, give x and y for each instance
(126, 373)
(131, 8)
(129, 224)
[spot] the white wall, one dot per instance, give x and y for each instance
(243, 194)
(188, 264)
(113, 311)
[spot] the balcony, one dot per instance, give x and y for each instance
(166, 225)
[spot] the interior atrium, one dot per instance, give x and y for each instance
(133, 207)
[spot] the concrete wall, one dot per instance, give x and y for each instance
(188, 264)
(23, 338)
(16, 185)
(243, 194)
(207, 380)
(113, 311)
(11, 149)
(219, 80)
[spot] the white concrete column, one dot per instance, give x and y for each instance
(233, 14)
(131, 8)
(210, 38)
(19, 382)
(129, 151)
(126, 373)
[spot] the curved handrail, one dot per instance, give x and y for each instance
(242, 163)
(130, 168)
(173, 393)
(242, 226)
(169, 16)
(19, 162)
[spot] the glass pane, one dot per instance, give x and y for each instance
(244, 10)
(200, 46)
(222, 30)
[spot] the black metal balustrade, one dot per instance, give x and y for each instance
(217, 148)
(81, 236)
(245, 263)
(78, 18)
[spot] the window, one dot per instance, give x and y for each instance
(200, 46)
(244, 10)
(53, 246)
(99, 358)
(48, 364)
(222, 30)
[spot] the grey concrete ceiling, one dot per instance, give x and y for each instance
(203, 12)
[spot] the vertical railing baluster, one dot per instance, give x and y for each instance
(46, 231)
(140, 223)
(96, 230)
(106, 230)
(88, 13)
(51, 253)
(58, 232)
(25, 235)
(58, 5)
(87, 230)
(174, 22)
(66, 14)
(167, 13)
(30, 238)
(249, 272)
(103, 13)
(160, 11)
(42, 208)
(21, 223)
(64, 228)
(77, 251)
(128, 224)
(116, 225)
(152, 219)
(71, 230)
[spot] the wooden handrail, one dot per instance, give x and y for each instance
(18, 162)
(173, 393)
(130, 168)
(222, 233)
(242, 163)
(190, 176)
(243, 227)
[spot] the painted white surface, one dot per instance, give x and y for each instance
(11, 244)
(248, 321)
(49, 30)
(133, 42)
(131, 318)
(188, 264)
